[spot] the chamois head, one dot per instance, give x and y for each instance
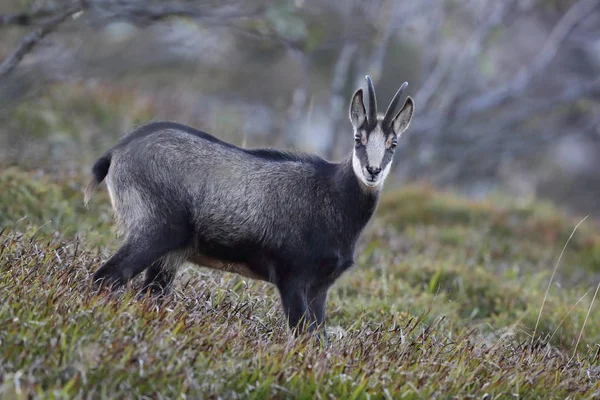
(376, 135)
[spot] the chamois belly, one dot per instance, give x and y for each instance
(224, 265)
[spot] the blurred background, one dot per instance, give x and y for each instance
(507, 92)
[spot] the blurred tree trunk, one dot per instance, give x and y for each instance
(337, 99)
(292, 124)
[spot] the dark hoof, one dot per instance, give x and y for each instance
(107, 281)
(321, 336)
(155, 292)
(323, 339)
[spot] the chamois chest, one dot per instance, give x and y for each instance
(329, 268)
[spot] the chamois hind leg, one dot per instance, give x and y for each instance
(139, 252)
(160, 275)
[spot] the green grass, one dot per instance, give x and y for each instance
(442, 304)
(54, 209)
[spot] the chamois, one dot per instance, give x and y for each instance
(292, 219)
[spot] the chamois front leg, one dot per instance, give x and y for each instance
(317, 297)
(295, 305)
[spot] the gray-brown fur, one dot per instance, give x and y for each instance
(291, 219)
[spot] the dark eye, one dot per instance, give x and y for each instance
(394, 144)
(357, 139)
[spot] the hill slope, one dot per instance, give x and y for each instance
(443, 302)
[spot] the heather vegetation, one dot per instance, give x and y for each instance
(443, 302)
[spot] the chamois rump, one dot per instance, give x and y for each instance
(181, 195)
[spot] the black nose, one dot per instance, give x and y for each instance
(373, 171)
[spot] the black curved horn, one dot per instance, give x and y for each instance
(372, 114)
(389, 114)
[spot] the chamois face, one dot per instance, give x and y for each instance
(375, 138)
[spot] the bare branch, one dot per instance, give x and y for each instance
(27, 19)
(274, 37)
(567, 23)
(460, 72)
(432, 83)
(150, 12)
(396, 17)
(48, 19)
(434, 80)
(453, 72)
(376, 62)
(30, 40)
(490, 143)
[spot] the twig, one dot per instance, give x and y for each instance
(566, 315)
(30, 40)
(552, 277)
(585, 321)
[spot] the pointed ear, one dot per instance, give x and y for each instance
(404, 116)
(358, 115)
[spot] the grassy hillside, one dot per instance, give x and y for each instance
(443, 303)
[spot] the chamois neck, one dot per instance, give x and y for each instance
(359, 201)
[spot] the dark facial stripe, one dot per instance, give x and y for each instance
(362, 154)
